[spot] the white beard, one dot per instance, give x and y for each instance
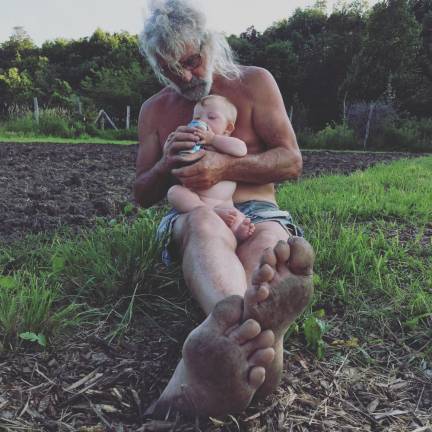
(194, 90)
(197, 88)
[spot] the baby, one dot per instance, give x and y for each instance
(220, 115)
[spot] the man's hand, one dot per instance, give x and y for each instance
(183, 138)
(205, 173)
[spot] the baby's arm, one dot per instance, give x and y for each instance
(223, 143)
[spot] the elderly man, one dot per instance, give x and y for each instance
(250, 292)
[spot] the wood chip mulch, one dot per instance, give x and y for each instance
(88, 385)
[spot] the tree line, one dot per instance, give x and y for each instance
(322, 62)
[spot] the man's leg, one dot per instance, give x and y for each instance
(279, 275)
(224, 359)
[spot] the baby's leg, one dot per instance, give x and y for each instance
(241, 226)
(183, 199)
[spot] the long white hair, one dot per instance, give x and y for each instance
(174, 24)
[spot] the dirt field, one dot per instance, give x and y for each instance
(45, 186)
(89, 386)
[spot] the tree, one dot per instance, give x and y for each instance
(15, 88)
(391, 29)
(114, 89)
(17, 47)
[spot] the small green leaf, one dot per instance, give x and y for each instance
(314, 329)
(33, 337)
(128, 209)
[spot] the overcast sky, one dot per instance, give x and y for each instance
(71, 19)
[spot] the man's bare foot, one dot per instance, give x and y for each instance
(223, 365)
(243, 231)
(281, 289)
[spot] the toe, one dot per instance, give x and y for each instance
(264, 273)
(262, 357)
(247, 331)
(262, 293)
(268, 257)
(282, 251)
(228, 312)
(256, 377)
(302, 256)
(264, 340)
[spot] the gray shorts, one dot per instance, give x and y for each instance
(256, 211)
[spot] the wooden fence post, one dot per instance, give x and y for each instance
(127, 117)
(36, 109)
(371, 109)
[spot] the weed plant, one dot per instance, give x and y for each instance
(29, 302)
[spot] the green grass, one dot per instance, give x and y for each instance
(10, 137)
(361, 226)
(373, 266)
(29, 302)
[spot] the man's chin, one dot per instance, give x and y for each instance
(194, 94)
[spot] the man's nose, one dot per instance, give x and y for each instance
(186, 75)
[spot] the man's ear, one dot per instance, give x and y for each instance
(229, 129)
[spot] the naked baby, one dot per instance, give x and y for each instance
(219, 114)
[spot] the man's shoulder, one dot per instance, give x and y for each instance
(253, 74)
(157, 106)
(159, 100)
(257, 81)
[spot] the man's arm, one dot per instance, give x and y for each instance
(229, 145)
(282, 160)
(152, 176)
(154, 164)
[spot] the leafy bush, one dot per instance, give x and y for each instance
(25, 124)
(413, 135)
(331, 137)
(58, 122)
(54, 123)
(405, 135)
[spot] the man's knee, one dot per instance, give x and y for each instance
(173, 191)
(203, 224)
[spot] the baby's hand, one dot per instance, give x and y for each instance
(206, 136)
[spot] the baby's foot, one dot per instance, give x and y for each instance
(243, 231)
(229, 216)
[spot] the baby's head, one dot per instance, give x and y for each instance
(218, 112)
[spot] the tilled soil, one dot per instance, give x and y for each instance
(46, 186)
(89, 385)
